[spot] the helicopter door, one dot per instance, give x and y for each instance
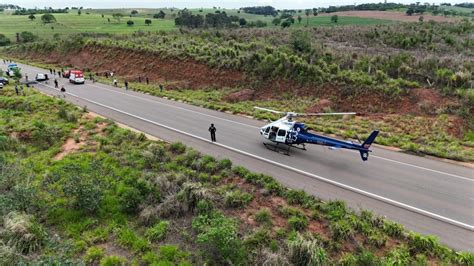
(281, 136)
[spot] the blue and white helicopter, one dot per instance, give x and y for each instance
(289, 133)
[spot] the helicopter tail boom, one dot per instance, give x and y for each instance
(364, 151)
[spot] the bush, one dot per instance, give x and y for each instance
(263, 216)
(129, 239)
(130, 23)
(237, 199)
(94, 255)
(113, 261)
(341, 230)
(157, 232)
(297, 223)
(85, 193)
(129, 199)
(23, 232)
(309, 251)
(259, 239)
(224, 164)
(178, 148)
(422, 244)
(219, 235)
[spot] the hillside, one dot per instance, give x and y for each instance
(391, 75)
(79, 189)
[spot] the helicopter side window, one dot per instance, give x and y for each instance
(281, 133)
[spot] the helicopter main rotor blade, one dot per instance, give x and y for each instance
(326, 114)
(268, 110)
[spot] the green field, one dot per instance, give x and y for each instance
(91, 21)
(72, 23)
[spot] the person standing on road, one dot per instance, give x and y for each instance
(26, 77)
(115, 82)
(126, 85)
(212, 130)
(147, 81)
(55, 83)
(161, 87)
(90, 76)
(63, 91)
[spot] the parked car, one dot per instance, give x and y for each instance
(4, 81)
(41, 77)
(10, 69)
(76, 77)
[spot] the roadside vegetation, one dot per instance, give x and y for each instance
(79, 189)
(413, 81)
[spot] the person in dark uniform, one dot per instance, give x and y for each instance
(63, 91)
(213, 130)
(55, 83)
(126, 85)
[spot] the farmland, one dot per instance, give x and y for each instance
(79, 189)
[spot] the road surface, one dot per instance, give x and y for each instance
(428, 196)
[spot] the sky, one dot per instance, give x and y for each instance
(279, 4)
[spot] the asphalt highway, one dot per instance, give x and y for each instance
(426, 195)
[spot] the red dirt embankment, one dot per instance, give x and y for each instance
(185, 73)
(190, 74)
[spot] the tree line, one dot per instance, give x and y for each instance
(213, 20)
(30, 11)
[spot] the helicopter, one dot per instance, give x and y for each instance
(285, 132)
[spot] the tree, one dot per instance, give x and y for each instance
(160, 14)
(334, 19)
(315, 12)
(134, 12)
(307, 13)
(130, 22)
(48, 18)
(421, 18)
(301, 41)
(242, 22)
(32, 17)
(102, 15)
(286, 24)
(276, 21)
(410, 11)
(4, 41)
(299, 19)
(117, 16)
(27, 36)
(148, 22)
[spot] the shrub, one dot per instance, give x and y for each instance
(85, 193)
(157, 232)
(178, 147)
(259, 239)
(297, 223)
(341, 230)
(224, 164)
(393, 229)
(219, 235)
(422, 244)
(237, 199)
(129, 199)
(113, 261)
(128, 238)
(309, 251)
(94, 255)
(290, 211)
(263, 216)
(23, 232)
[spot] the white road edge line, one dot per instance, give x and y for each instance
(353, 189)
(239, 123)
